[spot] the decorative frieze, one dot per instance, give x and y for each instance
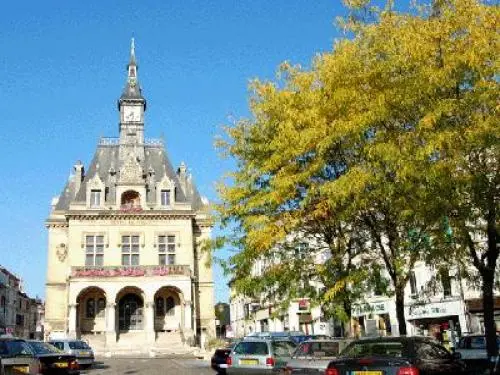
(136, 271)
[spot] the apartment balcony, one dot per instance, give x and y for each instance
(130, 271)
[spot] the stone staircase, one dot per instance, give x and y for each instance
(171, 343)
(137, 343)
(96, 341)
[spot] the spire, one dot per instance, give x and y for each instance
(132, 52)
(132, 90)
(132, 65)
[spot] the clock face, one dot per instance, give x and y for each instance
(132, 113)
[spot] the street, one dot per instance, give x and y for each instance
(149, 366)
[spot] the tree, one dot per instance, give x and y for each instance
(384, 136)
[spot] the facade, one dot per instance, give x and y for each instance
(260, 315)
(20, 315)
(123, 242)
(438, 304)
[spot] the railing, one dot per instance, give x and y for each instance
(115, 141)
(130, 271)
(109, 141)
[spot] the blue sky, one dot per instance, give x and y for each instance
(62, 68)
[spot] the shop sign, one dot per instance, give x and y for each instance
(303, 305)
(418, 311)
(370, 308)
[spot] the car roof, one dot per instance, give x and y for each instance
(323, 340)
(66, 340)
(393, 339)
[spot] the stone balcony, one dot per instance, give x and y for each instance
(130, 271)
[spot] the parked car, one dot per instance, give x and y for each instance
(261, 356)
(53, 360)
(17, 357)
(80, 349)
(396, 356)
(313, 356)
(472, 348)
(218, 360)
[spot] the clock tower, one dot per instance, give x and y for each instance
(132, 106)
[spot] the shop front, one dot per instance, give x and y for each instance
(374, 319)
(476, 313)
(445, 321)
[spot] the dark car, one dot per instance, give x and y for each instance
(17, 357)
(396, 356)
(54, 361)
(218, 360)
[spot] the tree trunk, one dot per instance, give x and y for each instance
(489, 312)
(400, 309)
(348, 324)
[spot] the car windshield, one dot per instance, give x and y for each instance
(43, 348)
(78, 345)
(283, 348)
(374, 349)
(252, 347)
(14, 348)
(318, 349)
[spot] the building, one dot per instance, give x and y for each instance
(250, 315)
(124, 263)
(20, 315)
(438, 303)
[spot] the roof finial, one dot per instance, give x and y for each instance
(132, 52)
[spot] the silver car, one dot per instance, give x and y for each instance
(80, 349)
(313, 356)
(259, 356)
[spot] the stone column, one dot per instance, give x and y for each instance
(110, 324)
(188, 318)
(72, 316)
(149, 317)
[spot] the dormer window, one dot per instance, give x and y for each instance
(95, 198)
(165, 197)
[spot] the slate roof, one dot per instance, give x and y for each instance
(106, 159)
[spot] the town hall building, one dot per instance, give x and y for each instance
(125, 265)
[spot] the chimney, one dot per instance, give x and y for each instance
(79, 175)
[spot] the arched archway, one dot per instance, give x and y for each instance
(91, 310)
(130, 199)
(130, 303)
(169, 311)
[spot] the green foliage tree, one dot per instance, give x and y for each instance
(369, 150)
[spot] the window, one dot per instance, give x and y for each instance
(165, 197)
(130, 250)
(160, 306)
(282, 348)
(90, 308)
(170, 306)
(166, 250)
(413, 283)
(2, 302)
(95, 198)
(446, 282)
(300, 250)
(19, 320)
(94, 250)
(252, 347)
(101, 307)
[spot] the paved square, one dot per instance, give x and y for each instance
(150, 366)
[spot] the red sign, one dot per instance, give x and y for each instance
(303, 304)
